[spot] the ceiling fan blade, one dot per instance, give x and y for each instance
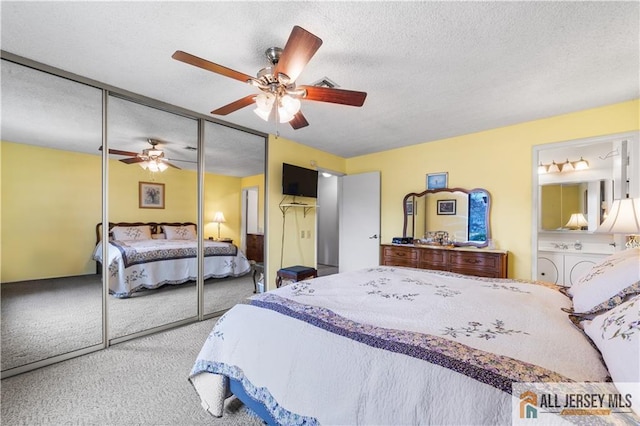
(298, 51)
(190, 59)
(132, 160)
(171, 165)
(234, 106)
(298, 121)
(119, 152)
(335, 96)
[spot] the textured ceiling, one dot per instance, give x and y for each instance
(431, 69)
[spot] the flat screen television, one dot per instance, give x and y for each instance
(299, 181)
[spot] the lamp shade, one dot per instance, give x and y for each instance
(576, 221)
(623, 217)
(219, 218)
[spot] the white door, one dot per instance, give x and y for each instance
(249, 216)
(359, 221)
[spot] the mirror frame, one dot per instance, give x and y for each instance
(463, 190)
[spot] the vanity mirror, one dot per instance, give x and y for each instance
(561, 204)
(463, 214)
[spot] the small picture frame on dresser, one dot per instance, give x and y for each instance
(446, 207)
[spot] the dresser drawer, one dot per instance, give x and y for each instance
(399, 256)
(492, 264)
(474, 263)
(433, 259)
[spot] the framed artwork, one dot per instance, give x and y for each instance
(409, 207)
(151, 195)
(437, 180)
(447, 207)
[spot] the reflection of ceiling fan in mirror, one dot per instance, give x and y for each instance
(151, 159)
(279, 97)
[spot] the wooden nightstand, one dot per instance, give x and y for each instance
(295, 273)
(222, 240)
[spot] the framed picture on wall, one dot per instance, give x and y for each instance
(409, 207)
(447, 207)
(437, 180)
(151, 195)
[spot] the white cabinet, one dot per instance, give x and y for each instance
(565, 268)
(550, 267)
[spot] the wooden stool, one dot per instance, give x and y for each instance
(295, 273)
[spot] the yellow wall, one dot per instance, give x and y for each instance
(499, 160)
(295, 250)
(222, 193)
(51, 203)
(559, 202)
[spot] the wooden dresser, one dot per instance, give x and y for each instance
(470, 261)
(255, 247)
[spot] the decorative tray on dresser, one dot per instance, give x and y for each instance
(481, 262)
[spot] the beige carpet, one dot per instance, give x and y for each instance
(44, 318)
(139, 382)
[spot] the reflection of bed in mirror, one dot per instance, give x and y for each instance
(148, 255)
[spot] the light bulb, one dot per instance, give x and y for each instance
(290, 104)
(581, 164)
(542, 169)
(284, 116)
(264, 102)
(262, 114)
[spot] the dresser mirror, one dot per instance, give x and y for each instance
(561, 202)
(460, 213)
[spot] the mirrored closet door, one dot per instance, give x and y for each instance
(152, 213)
(234, 179)
(51, 201)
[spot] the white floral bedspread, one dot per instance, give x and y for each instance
(134, 265)
(394, 346)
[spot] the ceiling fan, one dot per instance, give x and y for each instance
(152, 158)
(279, 96)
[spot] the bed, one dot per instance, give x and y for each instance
(394, 345)
(148, 255)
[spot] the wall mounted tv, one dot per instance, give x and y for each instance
(298, 181)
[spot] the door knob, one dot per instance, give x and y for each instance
(374, 237)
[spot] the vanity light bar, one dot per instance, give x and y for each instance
(566, 166)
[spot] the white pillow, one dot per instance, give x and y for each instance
(616, 333)
(131, 233)
(608, 283)
(158, 236)
(180, 232)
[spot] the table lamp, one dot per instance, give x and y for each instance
(219, 218)
(624, 218)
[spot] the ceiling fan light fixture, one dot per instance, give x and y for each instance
(262, 114)
(284, 116)
(265, 101)
(155, 166)
(290, 104)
